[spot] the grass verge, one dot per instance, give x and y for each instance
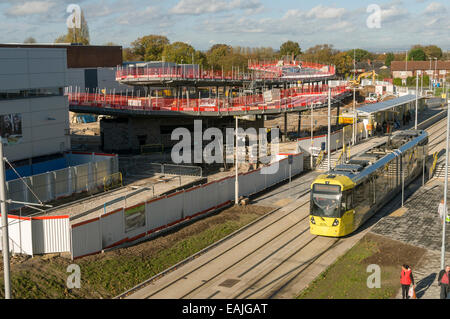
(108, 274)
(347, 277)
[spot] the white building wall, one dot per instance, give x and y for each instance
(106, 79)
(45, 120)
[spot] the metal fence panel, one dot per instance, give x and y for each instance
(17, 191)
(246, 184)
(86, 238)
(193, 201)
(210, 195)
(51, 235)
(62, 182)
(102, 169)
(272, 178)
(223, 188)
(112, 228)
(175, 207)
(41, 186)
(155, 212)
(82, 178)
(20, 235)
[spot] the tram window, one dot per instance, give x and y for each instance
(361, 195)
(349, 200)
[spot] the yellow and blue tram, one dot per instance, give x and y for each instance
(347, 196)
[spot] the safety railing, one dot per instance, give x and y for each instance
(319, 158)
(270, 70)
(284, 99)
(339, 158)
(433, 166)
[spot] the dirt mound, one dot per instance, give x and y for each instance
(393, 253)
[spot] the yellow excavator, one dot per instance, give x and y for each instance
(357, 82)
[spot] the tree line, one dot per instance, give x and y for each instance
(223, 56)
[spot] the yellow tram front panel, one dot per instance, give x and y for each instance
(324, 227)
(341, 221)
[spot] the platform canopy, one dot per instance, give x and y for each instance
(385, 105)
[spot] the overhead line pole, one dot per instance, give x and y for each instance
(5, 235)
(329, 127)
(236, 183)
(417, 99)
(444, 217)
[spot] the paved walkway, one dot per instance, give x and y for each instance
(420, 226)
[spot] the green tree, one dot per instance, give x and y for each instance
(360, 55)
(431, 51)
(343, 62)
(129, 56)
(397, 82)
(216, 55)
(321, 53)
(383, 74)
(290, 48)
(389, 58)
(29, 40)
(80, 35)
(149, 47)
(178, 52)
(416, 54)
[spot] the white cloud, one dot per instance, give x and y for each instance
(435, 7)
(338, 26)
(393, 13)
(322, 12)
(30, 8)
(139, 16)
(197, 7)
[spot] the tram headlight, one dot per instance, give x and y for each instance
(312, 220)
(336, 222)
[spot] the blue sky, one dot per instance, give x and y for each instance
(249, 23)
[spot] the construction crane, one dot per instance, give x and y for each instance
(357, 82)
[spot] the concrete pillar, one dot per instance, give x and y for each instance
(285, 127)
(299, 123)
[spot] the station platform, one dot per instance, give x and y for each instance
(418, 224)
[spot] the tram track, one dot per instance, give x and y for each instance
(263, 271)
(195, 256)
(235, 246)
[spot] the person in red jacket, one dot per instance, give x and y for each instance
(406, 279)
(443, 280)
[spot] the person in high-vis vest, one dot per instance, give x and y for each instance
(441, 210)
(406, 279)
